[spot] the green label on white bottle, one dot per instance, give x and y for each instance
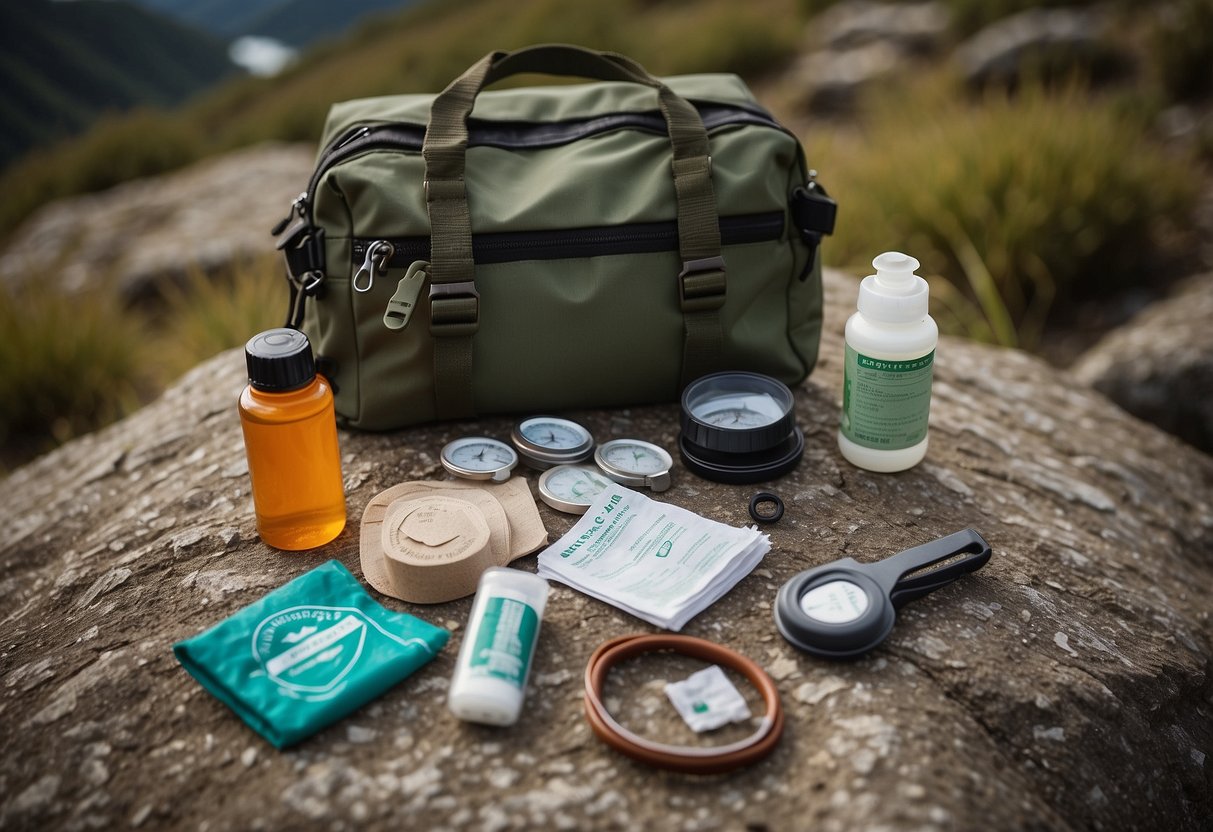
(504, 641)
(885, 404)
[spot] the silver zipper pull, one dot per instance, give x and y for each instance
(378, 254)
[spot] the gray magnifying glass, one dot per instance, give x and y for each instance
(845, 608)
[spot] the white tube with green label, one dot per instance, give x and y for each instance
(890, 357)
(498, 645)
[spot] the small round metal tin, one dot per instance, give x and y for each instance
(544, 441)
(635, 463)
(572, 488)
(479, 458)
(739, 427)
(845, 608)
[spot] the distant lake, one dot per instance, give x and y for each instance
(259, 55)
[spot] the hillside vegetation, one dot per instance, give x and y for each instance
(420, 50)
(301, 22)
(296, 22)
(64, 64)
(225, 18)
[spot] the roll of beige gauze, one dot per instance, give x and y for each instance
(432, 549)
(500, 534)
(526, 526)
(515, 529)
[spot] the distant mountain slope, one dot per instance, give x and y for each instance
(225, 18)
(296, 22)
(299, 22)
(63, 64)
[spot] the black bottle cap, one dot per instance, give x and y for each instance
(279, 360)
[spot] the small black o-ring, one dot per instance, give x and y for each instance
(766, 497)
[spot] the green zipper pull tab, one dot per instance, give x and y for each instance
(400, 307)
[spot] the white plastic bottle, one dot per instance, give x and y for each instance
(495, 660)
(890, 354)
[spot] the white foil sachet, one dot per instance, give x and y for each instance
(707, 700)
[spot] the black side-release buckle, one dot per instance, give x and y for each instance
(302, 247)
(702, 285)
(814, 212)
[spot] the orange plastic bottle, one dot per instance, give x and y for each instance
(290, 437)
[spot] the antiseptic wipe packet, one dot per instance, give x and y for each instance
(308, 654)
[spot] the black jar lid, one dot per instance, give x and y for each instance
(737, 412)
(739, 427)
(742, 468)
(279, 360)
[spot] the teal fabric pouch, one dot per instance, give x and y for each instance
(308, 654)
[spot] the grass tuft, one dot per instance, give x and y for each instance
(67, 366)
(1020, 202)
(207, 314)
(116, 150)
(70, 364)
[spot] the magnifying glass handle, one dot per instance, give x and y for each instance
(966, 550)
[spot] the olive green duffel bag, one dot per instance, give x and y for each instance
(560, 247)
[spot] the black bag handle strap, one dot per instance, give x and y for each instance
(454, 301)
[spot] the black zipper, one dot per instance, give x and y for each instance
(633, 238)
(400, 136)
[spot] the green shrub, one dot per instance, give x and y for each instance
(70, 364)
(117, 149)
(1019, 202)
(751, 39)
(420, 50)
(67, 366)
(210, 313)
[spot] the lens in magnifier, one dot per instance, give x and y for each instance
(835, 602)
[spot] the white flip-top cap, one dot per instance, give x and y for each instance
(894, 295)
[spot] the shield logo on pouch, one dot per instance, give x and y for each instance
(309, 651)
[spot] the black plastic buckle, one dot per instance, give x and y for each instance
(813, 212)
(702, 284)
(302, 247)
(454, 308)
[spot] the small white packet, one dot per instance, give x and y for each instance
(707, 700)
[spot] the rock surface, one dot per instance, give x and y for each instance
(911, 27)
(1037, 41)
(1159, 366)
(1064, 686)
(856, 43)
(206, 216)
